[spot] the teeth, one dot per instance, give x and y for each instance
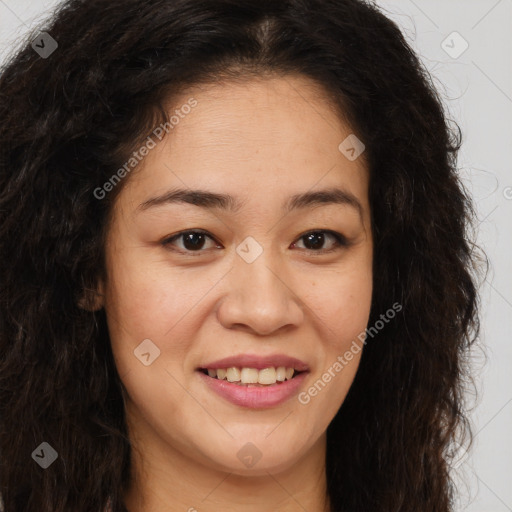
(233, 374)
(266, 376)
(281, 374)
(249, 376)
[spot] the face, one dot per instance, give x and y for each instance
(278, 276)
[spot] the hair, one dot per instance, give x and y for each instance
(67, 122)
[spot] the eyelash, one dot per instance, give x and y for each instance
(340, 241)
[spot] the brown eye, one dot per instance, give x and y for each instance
(314, 240)
(192, 241)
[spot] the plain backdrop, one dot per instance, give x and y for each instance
(466, 46)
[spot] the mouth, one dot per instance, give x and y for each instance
(253, 377)
(252, 387)
(254, 381)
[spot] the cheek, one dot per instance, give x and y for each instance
(343, 308)
(139, 306)
(143, 299)
(342, 303)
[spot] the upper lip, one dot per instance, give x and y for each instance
(257, 362)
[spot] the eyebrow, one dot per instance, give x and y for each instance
(211, 200)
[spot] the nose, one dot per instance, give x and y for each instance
(260, 298)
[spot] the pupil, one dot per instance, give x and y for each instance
(318, 236)
(190, 238)
(315, 240)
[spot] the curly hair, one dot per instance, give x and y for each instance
(68, 121)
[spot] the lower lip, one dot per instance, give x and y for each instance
(255, 397)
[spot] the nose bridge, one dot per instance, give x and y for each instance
(258, 296)
(259, 279)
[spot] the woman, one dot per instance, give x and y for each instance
(235, 267)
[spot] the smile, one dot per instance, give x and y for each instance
(255, 395)
(252, 376)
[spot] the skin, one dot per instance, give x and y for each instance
(260, 141)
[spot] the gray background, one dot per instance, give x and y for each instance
(477, 90)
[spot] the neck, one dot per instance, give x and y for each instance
(164, 479)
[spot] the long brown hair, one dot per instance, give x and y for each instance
(69, 120)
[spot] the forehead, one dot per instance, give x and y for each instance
(265, 114)
(261, 137)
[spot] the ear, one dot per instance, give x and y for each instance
(92, 299)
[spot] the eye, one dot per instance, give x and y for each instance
(194, 240)
(317, 238)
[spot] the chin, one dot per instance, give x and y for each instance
(258, 458)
